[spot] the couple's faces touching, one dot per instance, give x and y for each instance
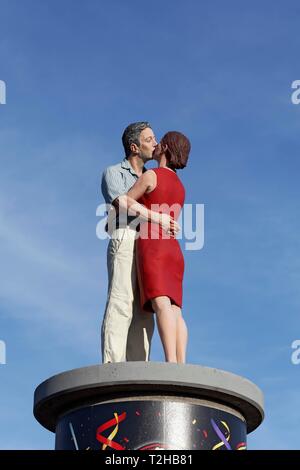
(147, 144)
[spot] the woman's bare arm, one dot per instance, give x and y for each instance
(128, 202)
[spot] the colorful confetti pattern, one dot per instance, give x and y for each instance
(150, 424)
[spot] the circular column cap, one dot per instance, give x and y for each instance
(86, 385)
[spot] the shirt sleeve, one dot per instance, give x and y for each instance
(112, 185)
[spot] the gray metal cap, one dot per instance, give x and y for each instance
(87, 385)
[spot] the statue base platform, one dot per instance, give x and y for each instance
(148, 406)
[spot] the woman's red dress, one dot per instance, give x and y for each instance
(160, 263)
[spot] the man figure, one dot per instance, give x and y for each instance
(126, 329)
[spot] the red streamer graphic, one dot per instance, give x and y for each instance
(112, 422)
(241, 446)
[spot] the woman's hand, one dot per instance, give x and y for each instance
(169, 225)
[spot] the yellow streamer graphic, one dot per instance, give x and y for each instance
(220, 444)
(114, 432)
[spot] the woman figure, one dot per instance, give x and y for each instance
(160, 262)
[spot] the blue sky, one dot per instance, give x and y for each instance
(76, 74)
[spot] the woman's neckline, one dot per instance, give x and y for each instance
(167, 168)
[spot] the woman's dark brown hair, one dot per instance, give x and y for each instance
(178, 149)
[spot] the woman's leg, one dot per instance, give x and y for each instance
(181, 335)
(166, 323)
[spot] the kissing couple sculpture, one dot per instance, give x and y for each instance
(144, 260)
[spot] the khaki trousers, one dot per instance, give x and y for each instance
(126, 329)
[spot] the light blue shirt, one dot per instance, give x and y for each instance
(117, 180)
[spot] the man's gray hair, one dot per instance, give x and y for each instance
(131, 135)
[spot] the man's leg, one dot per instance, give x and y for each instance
(119, 307)
(141, 328)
